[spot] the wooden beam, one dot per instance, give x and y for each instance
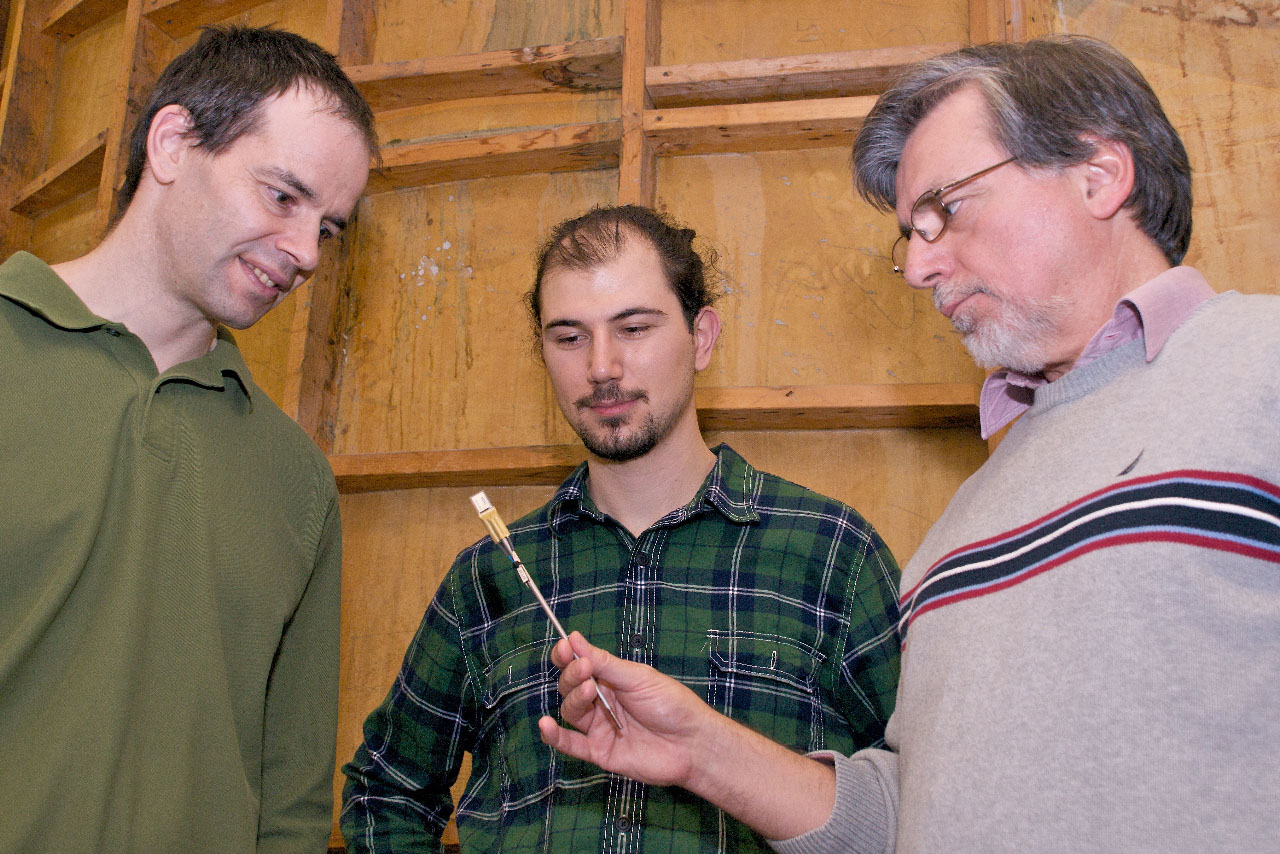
(638, 164)
(754, 127)
(315, 340)
(584, 66)
(838, 407)
(78, 172)
(178, 18)
(834, 407)
(31, 61)
(541, 464)
(139, 68)
(350, 28)
(819, 75)
(72, 17)
(562, 148)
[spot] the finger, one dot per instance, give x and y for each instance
(578, 706)
(576, 673)
(562, 654)
(608, 668)
(582, 646)
(566, 741)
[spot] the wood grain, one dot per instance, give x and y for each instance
(586, 66)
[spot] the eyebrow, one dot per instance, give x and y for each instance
(304, 190)
(622, 315)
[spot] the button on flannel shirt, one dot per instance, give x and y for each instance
(775, 604)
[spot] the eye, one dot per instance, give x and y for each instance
(634, 329)
(280, 197)
(568, 339)
(326, 233)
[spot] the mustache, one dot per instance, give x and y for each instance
(609, 394)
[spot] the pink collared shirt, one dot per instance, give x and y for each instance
(1153, 312)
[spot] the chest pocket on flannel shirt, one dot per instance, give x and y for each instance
(769, 683)
(519, 688)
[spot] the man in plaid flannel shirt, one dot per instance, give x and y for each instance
(775, 604)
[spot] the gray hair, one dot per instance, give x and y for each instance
(1045, 97)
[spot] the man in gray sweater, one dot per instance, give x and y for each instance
(1091, 631)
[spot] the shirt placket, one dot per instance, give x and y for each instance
(638, 626)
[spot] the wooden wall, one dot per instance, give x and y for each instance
(408, 357)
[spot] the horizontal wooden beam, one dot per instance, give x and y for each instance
(838, 407)
(70, 18)
(817, 75)
(820, 123)
(528, 466)
(78, 172)
(584, 66)
(561, 148)
(831, 407)
(178, 18)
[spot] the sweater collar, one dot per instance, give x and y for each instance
(1151, 313)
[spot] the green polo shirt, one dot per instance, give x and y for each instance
(169, 592)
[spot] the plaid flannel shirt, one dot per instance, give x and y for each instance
(775, 604)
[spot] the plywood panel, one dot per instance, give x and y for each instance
(900, 480)
(714, 30)
(86, 85)
(412, 29)
(810, 292)
(1214, 68)
(265, 347)
(437, 354)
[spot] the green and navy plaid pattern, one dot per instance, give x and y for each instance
(775, 604)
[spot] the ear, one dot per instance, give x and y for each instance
(706, 329)
(168, 142)
(1106, 177)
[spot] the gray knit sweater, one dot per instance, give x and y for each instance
(1092, 629)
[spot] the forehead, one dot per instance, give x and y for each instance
(952, 140)
(298, 132)
(634, 279)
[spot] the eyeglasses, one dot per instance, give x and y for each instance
(929, 216)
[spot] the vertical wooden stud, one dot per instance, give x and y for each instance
(140, 64)
(316, 334)
(31, 62)
(349, 30)
(637, 167)
(315, 341)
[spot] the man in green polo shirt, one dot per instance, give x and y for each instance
(776, 604)
(169, 567)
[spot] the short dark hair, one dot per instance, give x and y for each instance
(222, 81)
(600, 235)
(1044, 97)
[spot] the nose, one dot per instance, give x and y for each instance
(300, 240)
(605, 360)
(927, 263)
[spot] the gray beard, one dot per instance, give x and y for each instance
(1015, 339)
